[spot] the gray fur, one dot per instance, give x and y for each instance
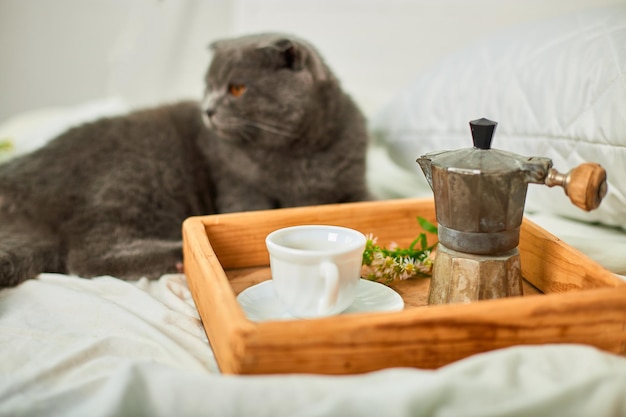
(109, 197)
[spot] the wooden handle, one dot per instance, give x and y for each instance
(586, 185)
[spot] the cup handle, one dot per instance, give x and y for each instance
(330, 272)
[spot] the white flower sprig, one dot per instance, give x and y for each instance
(388, 264)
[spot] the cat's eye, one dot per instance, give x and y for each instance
(236, 90)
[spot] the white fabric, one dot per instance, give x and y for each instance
(105, 347)
(557, 89)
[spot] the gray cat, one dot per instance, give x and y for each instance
(274, 130)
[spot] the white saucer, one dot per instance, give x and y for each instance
(260, 303)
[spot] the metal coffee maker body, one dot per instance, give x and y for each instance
(480, 195)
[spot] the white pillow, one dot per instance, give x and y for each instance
(556, 87)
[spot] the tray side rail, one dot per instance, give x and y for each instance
(214, 298)
(238, 239)
(553, 266)
(431, 337)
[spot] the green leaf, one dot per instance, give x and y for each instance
(424, 241)
(418, 239)
(426, 225)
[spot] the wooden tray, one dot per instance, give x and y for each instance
(224, 254)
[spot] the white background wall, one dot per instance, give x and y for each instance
(65, 52)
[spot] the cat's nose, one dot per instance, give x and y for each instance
(207, 116)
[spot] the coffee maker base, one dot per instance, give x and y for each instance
(463, 278)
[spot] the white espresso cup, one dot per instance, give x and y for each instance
(315, 268)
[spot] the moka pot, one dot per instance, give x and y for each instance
(480, 195)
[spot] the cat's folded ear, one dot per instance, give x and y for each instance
(290, 54)
(298, 56)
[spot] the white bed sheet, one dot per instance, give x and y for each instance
(106, 347)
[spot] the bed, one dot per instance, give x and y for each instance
(107, 347)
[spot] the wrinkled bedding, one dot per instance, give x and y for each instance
(105, 347)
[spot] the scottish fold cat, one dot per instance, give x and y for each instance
(275, 129)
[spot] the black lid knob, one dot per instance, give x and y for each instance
(482, 132)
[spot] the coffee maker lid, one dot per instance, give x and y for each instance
(481, 158)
